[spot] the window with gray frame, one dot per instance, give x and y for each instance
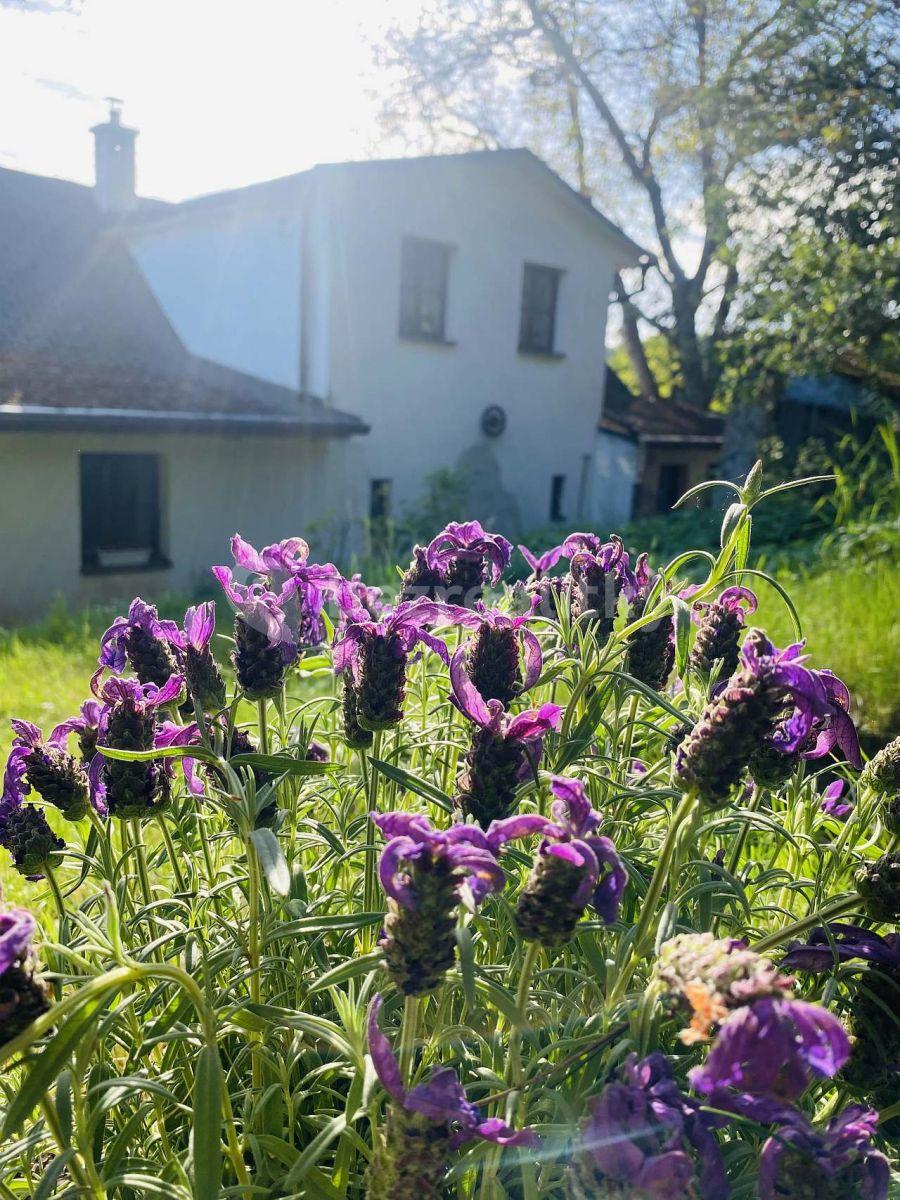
(120, 512)
(424, 272)
(537, 323)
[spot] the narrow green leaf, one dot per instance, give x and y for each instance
(413, 783)
(207, 1125)
(704, 487)
(284, 764)
(199, 752)
(351, 969)
(315, 1150)
(681, 614)
(47, 1185)
(271, 860)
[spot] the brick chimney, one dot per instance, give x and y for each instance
(114, 162)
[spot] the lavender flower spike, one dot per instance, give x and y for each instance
(204, 682)
(574, 866)
(48, 768)
(504, 748)
(599, 577)
(541, 563)
(86, 725)
(643, 1138)
(377, 653)
(24, 830)
(424, 1126)
(651, 649)
(423, 872)
(771, 1050)
(492, 655)
(719, 630)
(147, 644)
(830, 1164)
(23, 997)
(830, 945)
(466, 556)
(264, 643)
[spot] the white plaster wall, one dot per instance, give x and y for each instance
(211, 486)
(615, 467)
(424, 401)
(230, 285)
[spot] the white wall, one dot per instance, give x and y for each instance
(615, 465)
(424, 401)
(211, 486)
(230, 285)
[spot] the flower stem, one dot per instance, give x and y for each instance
(516, 1074)
(752, 806)
(253, 953)
(370, 886)
(170, 850)
(408, 1033)
(836, 909)
(263, 727)
(84, 1171)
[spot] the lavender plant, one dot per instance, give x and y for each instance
(612, 881)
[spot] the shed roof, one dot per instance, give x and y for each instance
(643, 420)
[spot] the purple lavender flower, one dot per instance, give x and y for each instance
(833, 729)
(719, 629)
(829, 1164)
(86, 725)
(574, 866)
(129, 721)
(651, 649)
(832, 802)
(376, 653)
(24, 830)
(48, 768)
(465, 556)
(204, 682)
(142, 640)
(773, 700)
(600, 575)
(771, 1050)
(423, 872)
(504, 748)
(643, 1138)
(492, 655)
(23, 997)
(420, 581)
(542, 563)
(830, 945)
(425, 1124)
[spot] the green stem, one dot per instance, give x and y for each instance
(170, 850)
(836, 909)
(516, 1074)
(752, 806)
(253, 955)
(82, 1169)
(370, 882)
(143, 873)
(408, 1033)
(263, 727)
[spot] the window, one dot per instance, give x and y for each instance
(557, 491)
(537, 325)
(380, 499)
(424, 270)
(120, 518)
(672, 484)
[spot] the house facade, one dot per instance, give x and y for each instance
(303, 352)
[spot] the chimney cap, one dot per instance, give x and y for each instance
(115, 109)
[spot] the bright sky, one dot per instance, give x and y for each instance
(224, 92)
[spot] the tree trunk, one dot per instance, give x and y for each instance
(634, 347)
(696, 386)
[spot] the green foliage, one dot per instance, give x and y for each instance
(662, 359)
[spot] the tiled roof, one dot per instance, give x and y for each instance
(84, 341)
(635, 417)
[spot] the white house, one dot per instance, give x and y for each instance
(296, 351)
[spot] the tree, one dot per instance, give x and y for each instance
(663, 105)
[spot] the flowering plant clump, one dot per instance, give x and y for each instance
(568, 889)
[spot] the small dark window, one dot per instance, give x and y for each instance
(423, 289)
(557, 491)
(379, 499)
(672, 484)
(120, 516)
(537, 325)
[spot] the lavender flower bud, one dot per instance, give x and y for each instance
(59, 779)
(873, 1070)
(133, 789)
(882, 773)
(651, 651)
(380, 682)
(492, 662)
(23, 997)
(258, 663)
(549, 906)
(879, 885)
(834, 1163)
(412, 1159)
(891, 814)
(551, 589)
(356, 737)
(770, 768)
(717, 638)
(420, 579)
(486, 786)
(595, 595)
(203, 679)
(25, 833)
(149, 656)
(419, 943)
(465, 578)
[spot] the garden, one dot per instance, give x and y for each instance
(542, 871)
